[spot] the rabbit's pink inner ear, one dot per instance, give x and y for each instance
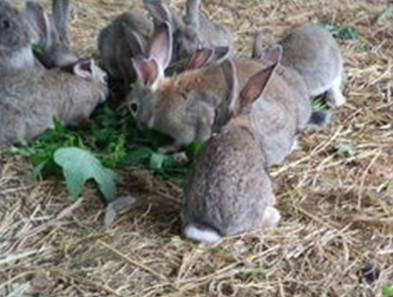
(272, 54)
(84, 68)
(161, 46)
(200, 59)
(146, 70)
(254, 87)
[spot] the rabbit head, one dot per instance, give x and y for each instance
(127, 36)
(228, 190)
(13, 34)
(51, 33)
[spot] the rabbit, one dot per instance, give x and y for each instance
(298, 86)
(186, 107)
(51, 33)
(15, 39)
(31, 100)
(229, 191)
(127, 36)
(313, 52)
(194, 31)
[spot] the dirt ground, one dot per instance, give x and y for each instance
(337, 210)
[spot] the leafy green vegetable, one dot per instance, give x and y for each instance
(345, 149)
(38, 49)
(387, 291)
(79, 166)
(193, 149)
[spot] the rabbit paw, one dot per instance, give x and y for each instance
(271, 217)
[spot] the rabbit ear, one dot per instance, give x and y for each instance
(147, 71)
(158, 10)
(134, 40)
(192, 13)
(229, 70)
(61, 14)
(254, 88)
(200, 58)
(38, 18)
(84, 68)
(257, 46)
(221, 53)
(272, 54)
(161, 46)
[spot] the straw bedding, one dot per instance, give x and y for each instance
(337, 210)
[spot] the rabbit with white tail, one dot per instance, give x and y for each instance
(187, 106)
(31, 100)
(313, 52)
(15, 40)
(228, 190)
(51, 33)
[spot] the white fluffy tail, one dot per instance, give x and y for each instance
(195, 232)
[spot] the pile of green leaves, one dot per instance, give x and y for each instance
(111, 141)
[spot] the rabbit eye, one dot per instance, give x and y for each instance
(5, 24)
(134, 107)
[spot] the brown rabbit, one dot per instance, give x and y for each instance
(186, 107)
(126, 37)
(15, 50)
(51, 33)
(228, 190)
(314, 54)
(31, 100)
(194, 31)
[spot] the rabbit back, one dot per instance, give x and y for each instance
(314, 54)
(31, 100)
(228, 188)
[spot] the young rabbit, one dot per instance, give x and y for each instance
(127, 36)
(31, 100)
(296, 83)
(228, 190)
(186, 107)
(314, 54)
(51, 33)
(15, 51)
(194, 31)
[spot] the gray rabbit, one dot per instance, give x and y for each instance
(228, 190)
(127, 36)
(31, 100)
(15, 40)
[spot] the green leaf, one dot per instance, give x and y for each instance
(157, 161)
(387, 291)
(193, 149)
(345, 149)
(79, 166)
(38, 49)
(384, 15)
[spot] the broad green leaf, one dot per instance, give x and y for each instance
(387, 291)
(193, 149)
(79, 166)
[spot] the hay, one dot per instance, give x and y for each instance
(337, 210)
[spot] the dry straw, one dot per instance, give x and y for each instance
(338, 211)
